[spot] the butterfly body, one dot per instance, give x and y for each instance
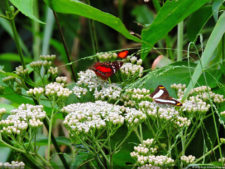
(161, 95)
(106, 69)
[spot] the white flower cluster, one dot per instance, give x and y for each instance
(89, 79)
(61, 79)
(21, 71)
(36, 91)
(149, 166)
(12, 165)
(222, 113)
(146, 148)
(48, 57)
(108, 92)
(145, 155)
(8, 78)
(195, 104)
(222, 160)
(106, 56)
(25, 116)
(130, 69)
(40, 63)
(2, 111)
(187, 159)
(134, 60)
(168, 113)
(134, 116)
(78, 91)
(180, 89)
(53, 70)
(200, 89)
(87, 117)
(56, 89)
(133, 96)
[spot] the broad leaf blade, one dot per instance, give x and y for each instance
(211, 45)
(82, 9)
(169, 16)
(197, 22)
(27, 8)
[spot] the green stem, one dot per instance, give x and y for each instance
(180, 33)
(92, 29)
(206, 154)
(19, 49)
(50, 130)
(12, 147)
(65, 46)
(156, 5)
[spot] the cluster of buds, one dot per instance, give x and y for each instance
(13, 164)
(145, 154)
(134, 116)
(179, 88)
(21, 71)
(133, 96)
(131, 70)
(78, 91)
(56, 90)
(195, 104)
(8, 79)
(108, 92)
(168, 113)
(87, 117)
(222, 160)
(25, 116)
(149, 166)
(39, 63)
(106, 56)
(53, 71)
(61, 79)
(2, 111)
(48, 57)
(89, 80)
(134, 60)
(37, 91)
(187, 159)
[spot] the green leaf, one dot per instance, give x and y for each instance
(143, 14)
(211, 45)
(78, 8)
(169, 16)
(13, 57)
(215, 8)
(197, 22)
(178, 72)
(27, 8)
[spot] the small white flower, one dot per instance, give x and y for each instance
(130, 69)
(56, 89)
(188, 159)
(48, 57)
(53, 70)
(21, 71)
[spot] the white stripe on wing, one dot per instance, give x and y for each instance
(158, 94)
(166, 101)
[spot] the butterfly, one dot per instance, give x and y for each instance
(106, 69)
(161, 95)
(123, 54)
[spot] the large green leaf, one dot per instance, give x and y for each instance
(26, 7)
(78, 8)
(169, 16)
(12, 57)
(197, 21)
(211, 45)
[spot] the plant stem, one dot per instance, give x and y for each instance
(156, 5)
(49, 134)
(180, 33)
(19, 49)
(65, 46)
(92, 29)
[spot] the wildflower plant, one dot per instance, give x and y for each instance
(106, 115)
